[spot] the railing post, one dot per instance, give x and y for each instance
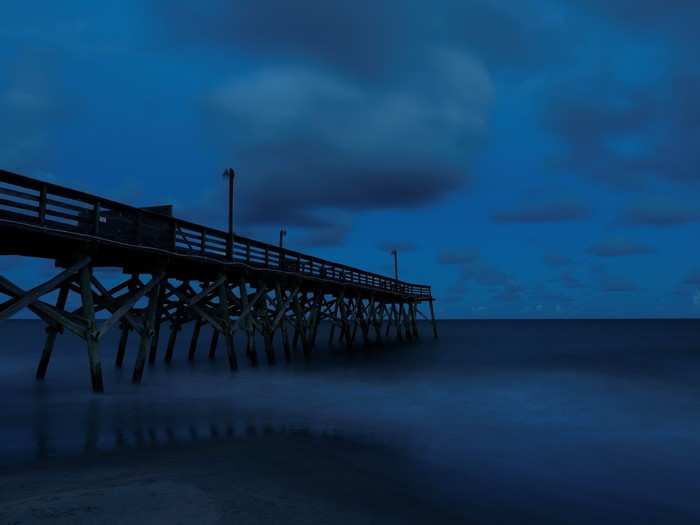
(42, 205)
(203, 242)
(139, 222)
(96, 212)
(267, 257)
(247, 251)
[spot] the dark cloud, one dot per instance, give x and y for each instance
(368, 105)
(692, 279)
(367, 38)
(475, 270)
(677, 19)
(511, 292)
(613, 282)
(551, 211)
(458, 257)
(326, 236)
(311, 140)
(623, 133)
(619, 247)
(662, 211)
(485, 273)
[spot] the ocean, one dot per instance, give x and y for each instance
(572, 421)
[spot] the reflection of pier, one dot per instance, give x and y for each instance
(98, 431)
(179, 273)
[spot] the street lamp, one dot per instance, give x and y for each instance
(283, 234)
(395, 253)
(230, 175)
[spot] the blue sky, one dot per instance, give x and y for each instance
(529, 160)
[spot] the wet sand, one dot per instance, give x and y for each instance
(266, 479)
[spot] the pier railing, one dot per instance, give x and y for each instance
(32, 202)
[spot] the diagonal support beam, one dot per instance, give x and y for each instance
(128, 304)
(284, 307)
(36, 292)
(49, 314)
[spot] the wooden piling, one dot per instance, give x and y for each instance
(226, 326)
(147, 333)
(195, 338)
(432, 318)
(91, 331)
(172, 339)
(213, 344)
(52, 331)
(123, 340)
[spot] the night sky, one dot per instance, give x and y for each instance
(528, 158)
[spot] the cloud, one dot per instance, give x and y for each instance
(369, 38)
(325, 236)
(379, 104)
(511, 292)
(613, 282)
(624, 133)
(676, 19)
(618, 247)
(692, 278)
(551, 211)
(662, 212)
(477, 271)
(458, 257)
(311, 139)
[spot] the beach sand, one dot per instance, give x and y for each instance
(266, 479)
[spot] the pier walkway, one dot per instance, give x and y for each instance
(177, 272)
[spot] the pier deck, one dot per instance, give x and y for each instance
(180, 272)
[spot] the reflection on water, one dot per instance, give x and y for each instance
(100, 428)
(586, 419)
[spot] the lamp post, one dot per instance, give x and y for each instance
(395, 253)
(231, 176)
(283, 234)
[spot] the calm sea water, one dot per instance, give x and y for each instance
(512, 421)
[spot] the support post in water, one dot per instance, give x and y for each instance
(226, 326)
(432, 318)
(147, 333)
(51, 332)
(195, 338)
(91, 334)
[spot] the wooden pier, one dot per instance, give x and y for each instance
(177, 272)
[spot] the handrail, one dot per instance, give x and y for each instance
(111, 220)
